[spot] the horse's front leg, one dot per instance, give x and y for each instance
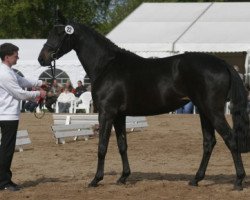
(105, 123)
(120, 129)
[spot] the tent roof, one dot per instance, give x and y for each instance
(210, 27)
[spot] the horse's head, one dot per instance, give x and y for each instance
(59, 42)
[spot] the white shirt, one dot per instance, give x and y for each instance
(11, 92)
(66, 97)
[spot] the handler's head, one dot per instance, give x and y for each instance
(9, 53)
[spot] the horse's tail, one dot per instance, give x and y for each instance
(239, 113)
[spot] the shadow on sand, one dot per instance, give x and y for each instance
(40, 181)
(215, 179)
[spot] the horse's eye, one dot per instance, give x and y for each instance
(59, 30)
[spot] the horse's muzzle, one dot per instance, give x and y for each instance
(44, 61)
(41, 61)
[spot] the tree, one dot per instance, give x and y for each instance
(21, 18)
(34, 18)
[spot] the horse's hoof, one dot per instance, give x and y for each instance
(193, 183)
(238, 187)
(121, 181)
(93, 184)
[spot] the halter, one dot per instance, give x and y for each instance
(54, 55)
(69, 30)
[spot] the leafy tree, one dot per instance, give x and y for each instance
(34, 18)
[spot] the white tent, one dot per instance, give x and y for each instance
(224, 27)
(179, 27)
(163, 29)
(154, 27)
(29, 66)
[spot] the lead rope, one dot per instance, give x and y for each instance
(39, 112)
(53, 69)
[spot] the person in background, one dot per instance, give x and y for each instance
(80, 89)
(186, 109)
(53, 93)
(88, 88)
(248, 99)
(22, 106)
(236, 67)
(11, 93)
(69, 86)
(32, 105)
(64, 100)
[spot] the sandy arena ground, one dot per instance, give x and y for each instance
(163, 158)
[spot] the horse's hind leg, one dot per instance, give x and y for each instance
(209, 142)
(120, 129)
(222, 127)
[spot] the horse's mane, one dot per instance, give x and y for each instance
(105, 41)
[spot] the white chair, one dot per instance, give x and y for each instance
(83, 102)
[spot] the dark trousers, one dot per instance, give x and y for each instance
(63, 107)
(30, 106)
(7, 149)
(50, 101)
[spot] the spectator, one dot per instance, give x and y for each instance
(88, 88)
(248, 99)
(32, 105)
(186, 109)
(80, 89)
(238, 70)
(23, 102)
(69, 86)
(242, 78)
(64, 100)
(52, 95)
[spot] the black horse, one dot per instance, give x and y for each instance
(126, 84)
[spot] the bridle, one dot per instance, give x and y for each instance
(68, 31)
(54, 55)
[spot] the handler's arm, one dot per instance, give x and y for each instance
(28, 83)
(16, 91)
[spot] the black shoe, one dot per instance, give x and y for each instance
(11, 187)
(14, 184)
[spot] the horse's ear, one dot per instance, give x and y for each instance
(60, 19)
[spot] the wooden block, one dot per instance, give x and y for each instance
(64, 134)
(71, 127)
(137, 125)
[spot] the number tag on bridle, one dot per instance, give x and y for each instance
(69, 29)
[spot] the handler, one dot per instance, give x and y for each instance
(11, 93)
